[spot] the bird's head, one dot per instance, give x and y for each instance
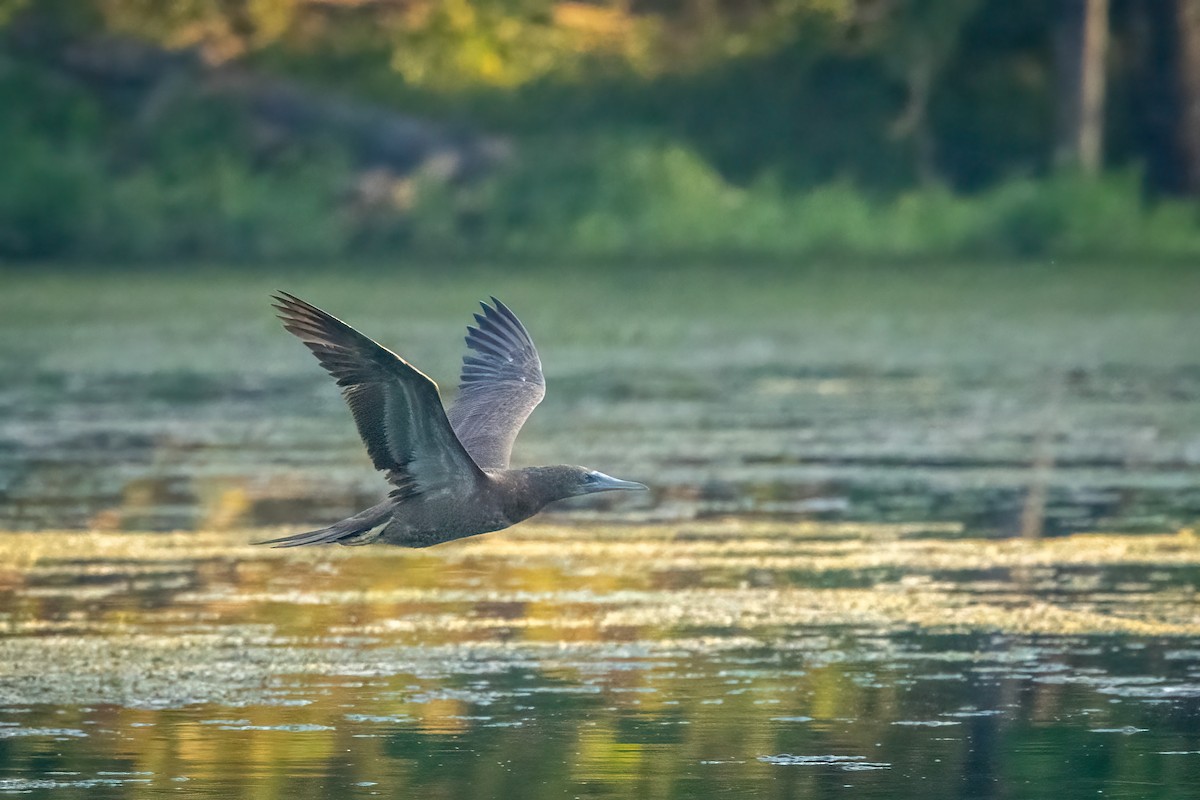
(590, 481)
(565, 481)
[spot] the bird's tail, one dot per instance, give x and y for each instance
(354, 530)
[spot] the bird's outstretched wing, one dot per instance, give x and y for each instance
(395, 406)
(501, 384)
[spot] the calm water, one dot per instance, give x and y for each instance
(1016, 402)
(705, 660)
(864, 569)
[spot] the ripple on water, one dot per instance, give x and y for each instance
(301, 728)
(603, 666)
(971, 712)
(59, 733)
(1167, 691)
(844, 763)
(27, 785)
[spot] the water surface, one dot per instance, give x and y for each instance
(1017, 400)
(700, 660)
(908, 536)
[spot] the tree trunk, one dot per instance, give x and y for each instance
(1081, 42)
(1187, 80)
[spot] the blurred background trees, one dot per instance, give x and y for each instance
(284, 129)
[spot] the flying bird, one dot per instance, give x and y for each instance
(448, 467)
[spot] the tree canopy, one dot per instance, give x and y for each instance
(765, 98)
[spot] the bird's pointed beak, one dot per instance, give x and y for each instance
(599, 482)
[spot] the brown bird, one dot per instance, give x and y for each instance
(449, 469)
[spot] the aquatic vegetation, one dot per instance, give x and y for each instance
(832, 584)
(801, 392)
(625, 652)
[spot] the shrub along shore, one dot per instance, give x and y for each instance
(606, 200)
(296, 133)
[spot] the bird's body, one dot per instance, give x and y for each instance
(449, 469)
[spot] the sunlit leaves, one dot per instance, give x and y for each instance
(463, 43)
(8, 8)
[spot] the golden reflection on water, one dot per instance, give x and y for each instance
(646, 661)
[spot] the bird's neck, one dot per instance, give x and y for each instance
(527, 491)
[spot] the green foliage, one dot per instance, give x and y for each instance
(9, 9)
(604, 198)
(772, 129)
(66, 203)
(80, 180)
(633, 196)
(459, 44)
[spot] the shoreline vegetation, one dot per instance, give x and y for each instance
(908, 565)
(793, 131)
(616, 201)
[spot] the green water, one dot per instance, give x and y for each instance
(865, 567)
(161, 402)
(668, 661)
